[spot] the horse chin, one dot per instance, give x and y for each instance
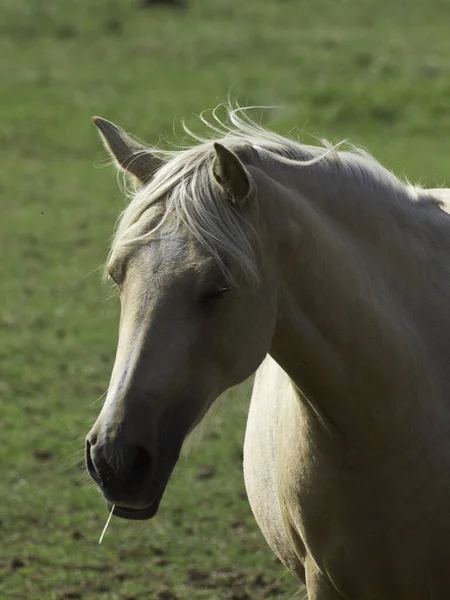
(136, 514)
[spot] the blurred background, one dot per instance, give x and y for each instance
(374, 71)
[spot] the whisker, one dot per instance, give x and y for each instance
(100, 267)
(99, 399)
(74, 466)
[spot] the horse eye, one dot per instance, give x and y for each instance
(113, 279)
(213, 295)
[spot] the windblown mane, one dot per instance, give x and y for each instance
(193, 198)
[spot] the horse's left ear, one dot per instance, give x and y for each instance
(128, 154)
(230, 174)
(441, 197)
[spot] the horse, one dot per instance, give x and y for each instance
(321, 271)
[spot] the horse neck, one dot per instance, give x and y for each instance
(342, 334)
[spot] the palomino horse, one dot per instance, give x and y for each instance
(324, 261)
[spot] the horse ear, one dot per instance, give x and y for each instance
(440, 197)
(230, 174)
(128, 154)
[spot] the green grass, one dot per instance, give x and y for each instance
(374, 71)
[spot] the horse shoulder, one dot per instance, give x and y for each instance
(261, 467)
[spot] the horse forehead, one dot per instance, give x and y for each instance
(169, 256)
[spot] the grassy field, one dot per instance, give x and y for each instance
(374, 71)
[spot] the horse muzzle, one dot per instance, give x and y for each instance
(136, 514)
(130, 476)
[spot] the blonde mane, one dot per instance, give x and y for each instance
(193, 198)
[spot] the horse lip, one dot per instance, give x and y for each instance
(146, 512)
(137, 514)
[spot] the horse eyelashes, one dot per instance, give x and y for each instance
(214, 295)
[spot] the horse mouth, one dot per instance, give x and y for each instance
(136, 514)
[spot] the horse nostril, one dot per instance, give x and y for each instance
(118, 467)
(142, 463)
(88, 451)
(90, 463)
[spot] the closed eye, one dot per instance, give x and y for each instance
(116, 272)
(214, 295)
(112, 278)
